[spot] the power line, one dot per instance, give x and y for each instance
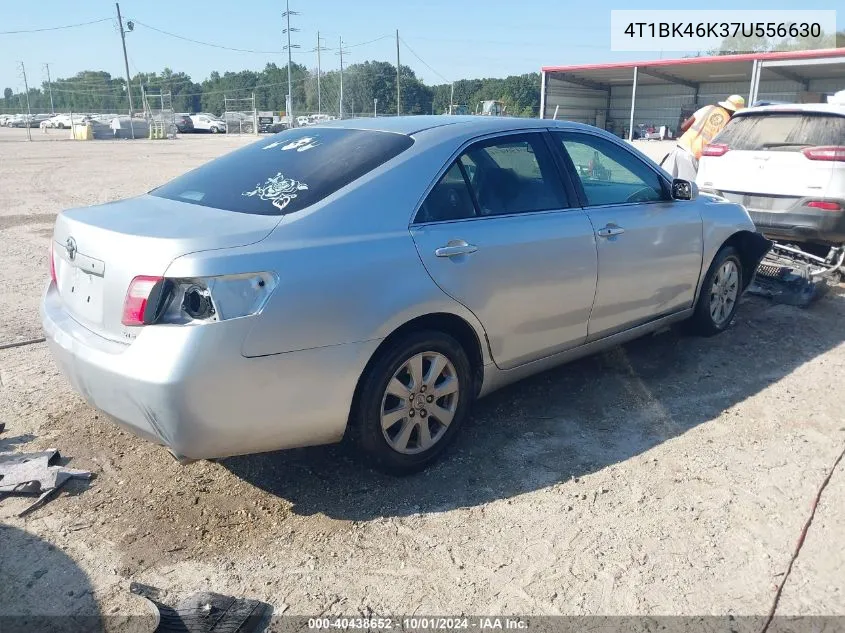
(423, 62)
(56, 28)
(211, 44)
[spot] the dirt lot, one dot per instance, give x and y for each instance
(671, 476)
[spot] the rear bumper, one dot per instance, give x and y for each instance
(799, 222)
(191, 390)
(804, 224)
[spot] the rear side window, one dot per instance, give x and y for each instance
(287, 172)
(788, 131)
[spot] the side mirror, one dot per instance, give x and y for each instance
(684, 189)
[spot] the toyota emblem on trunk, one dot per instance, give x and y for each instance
(70, 246)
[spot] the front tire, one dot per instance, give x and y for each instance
(720, 294)
(412, 402)
(214, 130)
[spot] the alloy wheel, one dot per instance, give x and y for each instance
(724, 292)
(419, 403)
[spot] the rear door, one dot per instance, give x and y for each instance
(649, 246)
(499, 234)
(758, 159)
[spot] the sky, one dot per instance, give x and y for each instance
(441, 40)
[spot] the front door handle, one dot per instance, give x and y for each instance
(455, 248)
(610, 230)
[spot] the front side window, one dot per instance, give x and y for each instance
(610, 174)
(287, 172)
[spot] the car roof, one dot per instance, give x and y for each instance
(462, 125)
(822, 108)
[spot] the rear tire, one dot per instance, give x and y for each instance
(720, 293)
(412, 402)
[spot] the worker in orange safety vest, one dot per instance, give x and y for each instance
(698, 131)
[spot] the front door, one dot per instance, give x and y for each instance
(649, 245)
(497, 233)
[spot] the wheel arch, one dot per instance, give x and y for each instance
(446, 322)
(752, 247)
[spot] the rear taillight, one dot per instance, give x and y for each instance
(52, 264)
(826, 152)
(138, 298)
(715, 149)
(824, 205)
(162, 300)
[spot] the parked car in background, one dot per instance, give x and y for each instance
(786, 164)
(302, 121)
(373, 279)
(208, 123)
(184, 123)
(66, 121)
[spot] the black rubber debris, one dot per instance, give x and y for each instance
(206, 612)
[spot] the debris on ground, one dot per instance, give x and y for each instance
(206, 612)
(794, 277)
(35, 474)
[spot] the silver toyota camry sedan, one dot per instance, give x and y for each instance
(371, 278)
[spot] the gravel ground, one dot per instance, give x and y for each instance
(671, 476)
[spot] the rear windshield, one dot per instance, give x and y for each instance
(286, 172)
(788, 131)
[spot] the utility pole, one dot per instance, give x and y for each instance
(50, 88)
(340, 52)
(340, 106)
(398, 90)
(126, 63)
(288, 31)
(451, 97)
(28, 111)
(375, 108)
(319, 72)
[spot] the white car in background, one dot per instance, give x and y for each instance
(302, 121)
(65, 121)
(786, 165)
(204, 122)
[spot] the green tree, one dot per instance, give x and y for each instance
(7, 94)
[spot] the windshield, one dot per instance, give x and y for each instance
(286, 172)
(788, 131)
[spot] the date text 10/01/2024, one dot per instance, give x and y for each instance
(418, 623)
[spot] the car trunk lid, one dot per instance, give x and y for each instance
(98, 250)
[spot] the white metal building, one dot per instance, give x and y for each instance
(621, 96)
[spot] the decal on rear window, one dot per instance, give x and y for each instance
(278, 190)
(300, 144)
(294, 170)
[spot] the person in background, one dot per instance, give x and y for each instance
(115, 127)
(698, 131)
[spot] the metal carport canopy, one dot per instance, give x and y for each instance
(692, 72)
(806, 65)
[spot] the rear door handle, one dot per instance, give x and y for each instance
(610, 230)
(455, 248)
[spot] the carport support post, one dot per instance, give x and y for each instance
(633, 104)
(756, 70)
(542, 95)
